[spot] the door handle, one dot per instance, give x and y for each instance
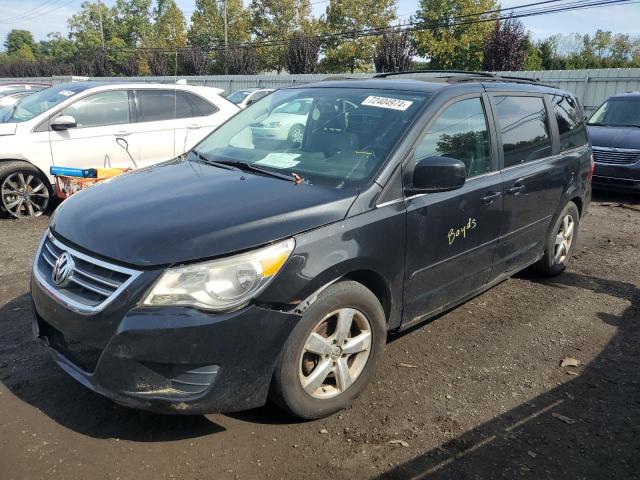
(194, 126)
(491, 197)
(122, 133)
(515, 190)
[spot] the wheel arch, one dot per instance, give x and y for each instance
(15, 159)
(579, 203)
(369, 278)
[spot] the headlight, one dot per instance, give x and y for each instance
(222, 284)
(274, 124)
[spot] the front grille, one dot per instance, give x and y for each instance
(616, 156)
(91, 284)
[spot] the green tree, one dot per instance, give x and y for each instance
(348, 53)
(169, 26)
(84, 26)
(277, 20)
(133, 20)
(207, 24)
(532, 56)
(57, 48)
(20, 43)
(452, 38)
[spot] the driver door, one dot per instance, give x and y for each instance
(452, 236)
(101, 119)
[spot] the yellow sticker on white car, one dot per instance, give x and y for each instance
(386, 102)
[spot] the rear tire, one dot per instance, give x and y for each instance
(332, 354)
(561, 242)
(24, 190)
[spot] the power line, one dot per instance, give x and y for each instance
(423, 26)
(37, 12)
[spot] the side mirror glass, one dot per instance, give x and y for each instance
(63, 122)
(438, 174)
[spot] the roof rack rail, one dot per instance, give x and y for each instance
(463, 75)
(338, 77)
(456, 72)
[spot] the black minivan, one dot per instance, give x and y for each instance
(246, 270)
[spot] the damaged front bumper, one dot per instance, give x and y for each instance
(168, 359)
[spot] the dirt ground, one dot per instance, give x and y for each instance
(477, 393)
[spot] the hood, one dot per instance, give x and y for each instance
(615, 137)
(8, 128)
(181, 211)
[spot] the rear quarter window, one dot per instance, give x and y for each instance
(158, 105)
(570, 122)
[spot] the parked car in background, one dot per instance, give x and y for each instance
(615, 134)
(245, 97)
(285, 122)
(91, 124)
(239, 272)
(13, 98)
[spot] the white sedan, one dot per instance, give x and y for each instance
(90, 125)
(285, 123)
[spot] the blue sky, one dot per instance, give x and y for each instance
(43, 16)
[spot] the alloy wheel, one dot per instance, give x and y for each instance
(297, 135)
(335, 353)
(24, 195)
(564, 239)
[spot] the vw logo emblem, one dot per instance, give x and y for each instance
(63, 269)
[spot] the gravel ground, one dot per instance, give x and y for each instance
(476, 393)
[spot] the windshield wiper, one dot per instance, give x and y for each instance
(206, 159)
(253, 168)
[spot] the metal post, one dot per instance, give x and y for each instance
(226, 39)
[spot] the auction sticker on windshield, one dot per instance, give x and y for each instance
(385, 102)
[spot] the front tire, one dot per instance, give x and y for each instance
(332, 353)
(296, 135)
(24, 191)
(561, 242)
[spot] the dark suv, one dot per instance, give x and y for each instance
(238, 272)
(615, 133)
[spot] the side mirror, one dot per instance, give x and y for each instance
(438, 174)
(63, 122)
(249, 102)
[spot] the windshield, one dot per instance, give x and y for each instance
(39, 102)
(238, 97)
(618, 112)
(331, 135)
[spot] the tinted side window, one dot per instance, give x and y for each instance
(156, 105)
(460, 132)
(105, 108)
(570, 123)
(200, 106)
(524, 127)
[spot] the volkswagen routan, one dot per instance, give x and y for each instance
(243, 271)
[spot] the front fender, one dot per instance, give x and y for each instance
(373, 241)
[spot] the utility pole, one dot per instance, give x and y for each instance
(101, 28)
(226, 39)
(103, 59)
